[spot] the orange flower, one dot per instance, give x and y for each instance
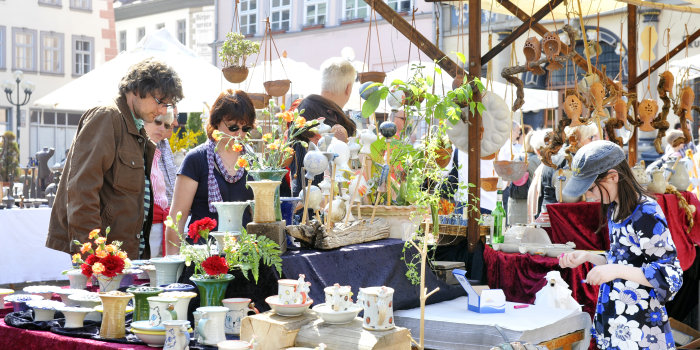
(289, 150)
(94, 233)
(242, 162)
(101, 253)
(267, 137)
(121, 254)
(237, 147)
(86, 247)
(273, 146)
(300, 122)
(100, 240)
(216, 135)
(288, 116)
(111, 248)
(76, 257)
(98, 268)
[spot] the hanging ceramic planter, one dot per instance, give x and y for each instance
(260, 100)
(377, 77)
(277, 88)
(235, 74)
(510, 170)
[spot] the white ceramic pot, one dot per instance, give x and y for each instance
(44, 310)
(108, 284)
(183, 302)
(378, 305)
(76, 279)
(211, 326)
(176, 335)
(161, 309)
(230, 216)
(152, 274)
(238, 309)
(168, 269)
(88, 300)
(74, 315)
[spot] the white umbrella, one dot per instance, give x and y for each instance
(201, 81)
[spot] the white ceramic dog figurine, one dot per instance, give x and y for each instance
(556, 293)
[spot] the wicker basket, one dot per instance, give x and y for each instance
(450, 230)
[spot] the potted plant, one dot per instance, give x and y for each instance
(233, 53)
(9, 157)
(106, 261)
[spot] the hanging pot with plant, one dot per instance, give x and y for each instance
(233, 53)
(276, 88)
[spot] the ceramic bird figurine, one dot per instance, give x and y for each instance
(533, 52)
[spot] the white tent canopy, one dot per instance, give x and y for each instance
(201, 81)
(534, 99)
(685, 68)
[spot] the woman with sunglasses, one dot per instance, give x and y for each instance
(641, 272)
(208, 174)
(160, 181)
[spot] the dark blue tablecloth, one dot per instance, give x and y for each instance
(369, 264)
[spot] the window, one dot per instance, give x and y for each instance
(315, 12)
(355, 9)
(3, 65)
(140, 33)
(182, 31)
(51, 52)
(400, 5)
(248, 13)
(160, 25)
(50, 2)
(280, 14)
(83, 54)
(122, 40)
(81, 4)
(24, 49)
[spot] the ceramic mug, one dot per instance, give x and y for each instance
(238, 309)
(161, 309)
(338, 297)
(211, 326)
(293, 291)
(377, 303)
(176, 335)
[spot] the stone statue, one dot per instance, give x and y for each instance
(44, 176)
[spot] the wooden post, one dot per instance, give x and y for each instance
(632, 72)
(474, 169)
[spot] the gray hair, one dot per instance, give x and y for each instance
(336, 74)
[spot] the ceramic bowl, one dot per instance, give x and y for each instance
(152, 339)
(44, 310)
(44, 291)
(145, 326)
(65, 292)
(19, 301)
(4, 292)
(337, 317)
(287, 309)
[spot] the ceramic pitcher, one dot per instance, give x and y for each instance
(161, 309)
(176, 335)
(211, 326)
(238, 309)
(658, 181)
(377, 303)
(679, 174)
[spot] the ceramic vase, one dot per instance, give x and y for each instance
(238, 309)
(88, 300)
(76, 279)
(141, 295)
(287, 204)
(274, 175)
(113, 312)
(176, 335)
(211, 290)
(75, 316)
(211, 326)
(264, 192)
(168, 269)
(183, 302)
(230, 216)
(108, 284)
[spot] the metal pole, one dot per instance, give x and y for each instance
(18, 111)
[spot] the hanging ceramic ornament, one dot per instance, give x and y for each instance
(551, 45)
(573, 110)
(366, 91)
(648, 38)
(532, 51)
(647, 112)
(396, 98)
(667, 78)
(495, 122)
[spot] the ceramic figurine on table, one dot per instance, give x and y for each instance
(303, 288)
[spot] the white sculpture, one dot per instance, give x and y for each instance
(556, 293)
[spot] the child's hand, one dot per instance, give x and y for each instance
(573, 259)
(602, 274)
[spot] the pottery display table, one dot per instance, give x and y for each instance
(23, 233)
(449, 325)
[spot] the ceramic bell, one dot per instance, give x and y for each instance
(533, 52)
(366, 139)
(573, 109)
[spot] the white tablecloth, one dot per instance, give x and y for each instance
(449, 325)
(23, 256)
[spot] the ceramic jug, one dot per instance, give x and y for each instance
(161, 309)
(176, 335)
(183, 302)
(211, 326)
(679, 174)
(658, 181)
(238, 309)
(377, 303)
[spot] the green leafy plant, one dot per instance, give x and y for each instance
(236, 49)
(9, 156)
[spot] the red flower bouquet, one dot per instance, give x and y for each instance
(103, 259)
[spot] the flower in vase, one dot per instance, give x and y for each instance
(215, 265)
(112, 264)
(242, 163)
(105, 259)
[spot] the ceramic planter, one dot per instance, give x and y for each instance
(168, 269)
(77, 279)
(19, 301)
(274, 175)
(88, 300)
(108, 284)
(113, 312)
(264, 192)
(377, 77)
(230, 216)
(259, 100)
(287, 205)
(211, 290)
(183, 302)
(141, 295)
(510, 170)
(44, 310)
(75, 316)
(235, 74)
(277, 88)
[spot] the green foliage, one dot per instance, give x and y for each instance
(9, 156)
(246, 251)
(194, 124)
(236, 49)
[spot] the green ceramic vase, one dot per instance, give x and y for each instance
(141, 295)
(211, 290)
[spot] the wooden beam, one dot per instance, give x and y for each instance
(665, 58)
(632, 72)
(541, 30)
(413, 35)
(520, 30)
(474, 170)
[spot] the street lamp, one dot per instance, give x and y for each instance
(9, 88)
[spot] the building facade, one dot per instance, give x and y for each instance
(50, 53)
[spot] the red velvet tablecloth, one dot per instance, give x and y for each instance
(17, 338)
(577, 222)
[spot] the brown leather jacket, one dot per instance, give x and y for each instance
(103, 182)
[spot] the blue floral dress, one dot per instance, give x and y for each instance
(629, 315)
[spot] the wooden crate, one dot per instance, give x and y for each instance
(274, 332)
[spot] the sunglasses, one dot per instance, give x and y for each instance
(235, 127)
(160, 122)
(166, 105)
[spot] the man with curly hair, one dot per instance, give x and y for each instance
(106, 177)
